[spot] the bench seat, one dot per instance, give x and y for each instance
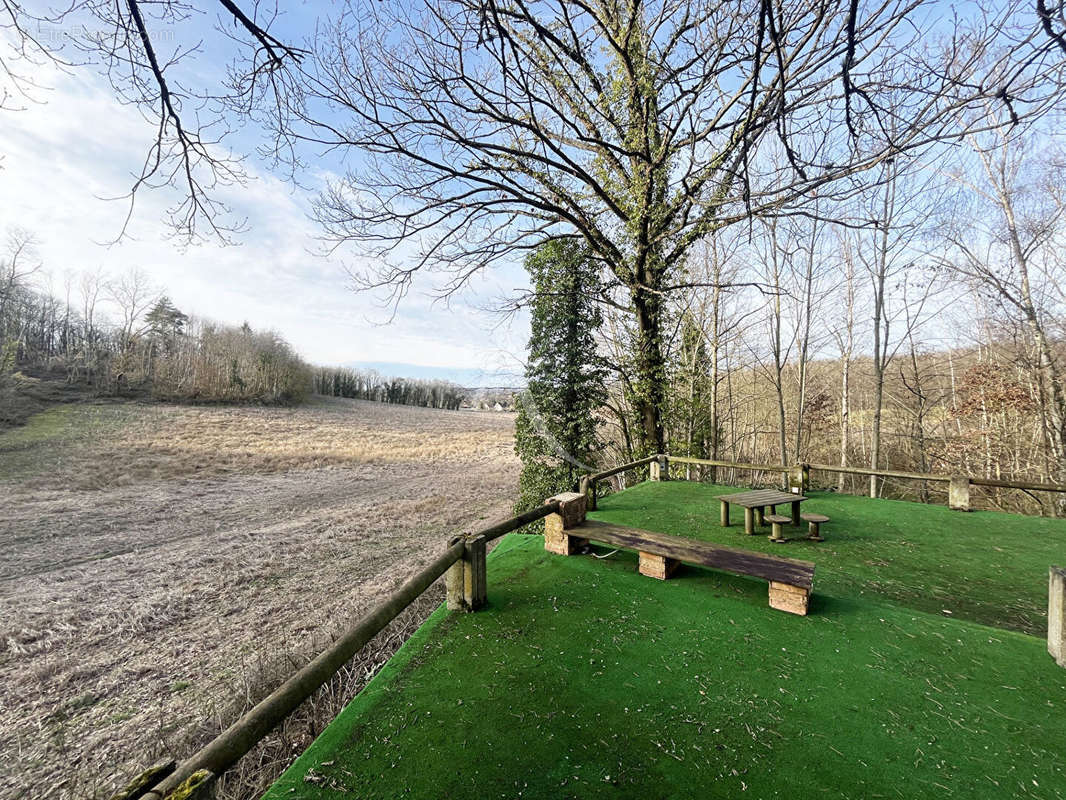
(790, 579)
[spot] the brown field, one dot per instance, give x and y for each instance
(164, 566)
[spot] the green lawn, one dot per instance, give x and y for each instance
(585, 679)
(984, 566)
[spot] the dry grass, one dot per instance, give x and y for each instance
(166, 566)
(128, 444)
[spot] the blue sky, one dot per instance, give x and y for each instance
(75, 144)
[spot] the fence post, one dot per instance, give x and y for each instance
(466, 579)
(799, 478)
(959, 493)
(659, 469)
(1056, 615)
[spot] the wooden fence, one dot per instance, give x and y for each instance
(797, 476)
(463, 563)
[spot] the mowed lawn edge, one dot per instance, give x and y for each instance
(583, 678)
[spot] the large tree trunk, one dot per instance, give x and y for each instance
(650, 384)
(716, 427)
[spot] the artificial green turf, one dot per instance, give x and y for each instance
(983, 566)
(584, 679)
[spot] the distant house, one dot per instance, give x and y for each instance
(497, 407)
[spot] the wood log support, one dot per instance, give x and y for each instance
(571, 514)
(959, 493)
(655, 566)
(777, 532)
(725, 514)
(749, 521)
(587, 487)
(760, 515)
(814, 526)
(786, 597)
(1056, 615)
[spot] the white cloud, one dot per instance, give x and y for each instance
(62, 156)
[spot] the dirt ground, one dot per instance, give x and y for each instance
(164, 564)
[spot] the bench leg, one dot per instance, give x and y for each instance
(760, 513)
(725, 514)
(657, 566)
(793, 599)
(557, 540)
(749, 521)
(814, 532)
(778, 534)
(773, 509)
(795, 513)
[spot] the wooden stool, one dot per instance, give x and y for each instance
(814, 522)
(776, 521)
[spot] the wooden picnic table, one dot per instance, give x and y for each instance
(755, 504)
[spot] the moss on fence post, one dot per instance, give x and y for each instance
(799, 478)
(198, 786)
(144, 782)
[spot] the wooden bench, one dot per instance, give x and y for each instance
(814, 526)
(790, 579)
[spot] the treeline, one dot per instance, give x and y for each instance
(119, 336)
(369, 385)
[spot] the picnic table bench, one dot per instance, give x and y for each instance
(790, 579)
(755, 504)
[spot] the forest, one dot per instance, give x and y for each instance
(919, 325)
(121, 336)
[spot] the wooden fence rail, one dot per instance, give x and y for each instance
(797, 475)
(881, 473)
(734, 464)
(194, 777)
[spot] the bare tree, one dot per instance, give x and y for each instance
(17, 265)
(1007, 234)
(639, 126)
(133, 293)
(844, 334)
(194, 111)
